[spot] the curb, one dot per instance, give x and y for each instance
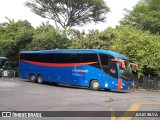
(146, 90)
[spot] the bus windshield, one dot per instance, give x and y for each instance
(126, 73)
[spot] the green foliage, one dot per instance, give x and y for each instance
(20, 35)
(9, 30)
(94, 39)
(23, 38)
(142, 48)
(144, 16)
(46, 37)
(70, 13)
(5, 47)
(14, 36)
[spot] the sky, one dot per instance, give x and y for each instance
(15, 9)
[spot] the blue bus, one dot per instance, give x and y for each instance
(93, 68)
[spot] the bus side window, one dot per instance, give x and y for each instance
(30, 57)
(113, 69)
(104, 62)
(60, 58)
(73, 58)
(49, 58)
(91, 58)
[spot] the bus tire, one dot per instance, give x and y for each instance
(94, 85)
(32, 78)
(40, 79)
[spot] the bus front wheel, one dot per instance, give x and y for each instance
(40, 79)
(32, 78)
(94, 85)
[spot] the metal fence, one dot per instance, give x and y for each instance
(9, 74)
(149, 83)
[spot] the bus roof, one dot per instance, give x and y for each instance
(76, 51)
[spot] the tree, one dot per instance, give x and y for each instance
(69, 13)
(10, 29)
(5, 47)
(46, 37)
(14, 37)
(141, 47)
(94, 39)
(144, 16)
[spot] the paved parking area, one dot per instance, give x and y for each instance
(22, 95)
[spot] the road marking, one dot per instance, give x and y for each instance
(113, 115)
(109, 106)
(135, 107)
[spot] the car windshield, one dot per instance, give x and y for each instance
(126, 73)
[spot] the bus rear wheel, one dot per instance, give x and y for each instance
(32, 78)
(40, 79)
(94, 85)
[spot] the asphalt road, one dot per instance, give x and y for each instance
(22, 95)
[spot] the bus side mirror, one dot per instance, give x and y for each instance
(136, 65)
(119, 61)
